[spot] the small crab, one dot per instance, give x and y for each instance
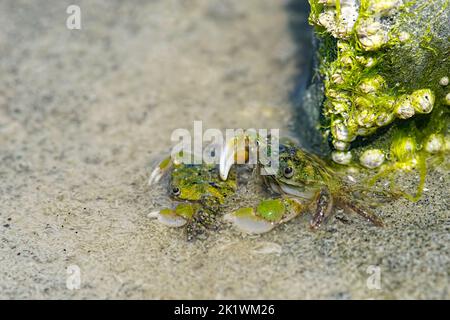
(200, 191)
(303, 183)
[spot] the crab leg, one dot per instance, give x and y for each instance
(366, 214)
(323, 207)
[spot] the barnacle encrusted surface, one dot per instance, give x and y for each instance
(382, 61)
(385, 66)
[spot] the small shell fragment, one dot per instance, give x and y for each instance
(372, 158)
(340, 132)
(372, 84)
(267, 248)
(444, 81)
(340, 145)
(384, 119)
(341, 157)
(422, 100)
(337, 78)
(327, 19)
(404, 108)
(373, 42)
(434, 143)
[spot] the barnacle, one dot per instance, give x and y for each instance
(385, 66)
(372, 158)
(341, 157)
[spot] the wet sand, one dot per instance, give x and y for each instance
(85, 113)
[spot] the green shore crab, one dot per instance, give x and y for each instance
(199, 191)
(303, 183)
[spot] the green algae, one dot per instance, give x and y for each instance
(382, 63)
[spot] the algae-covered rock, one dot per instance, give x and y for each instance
(384, 67)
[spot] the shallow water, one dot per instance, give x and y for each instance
(84, 114)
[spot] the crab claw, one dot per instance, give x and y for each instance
(175, 218)
(236, 150)
(247, 221)
(168, 217)
(160, 170)
(267, 215)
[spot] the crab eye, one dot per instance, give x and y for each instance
(176, 191)
(288, 172)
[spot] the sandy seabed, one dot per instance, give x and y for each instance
(85, 113)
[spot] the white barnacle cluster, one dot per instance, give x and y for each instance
(341, 17)
(407, 152)
(374, 27)
(338, 16)
(359, 98)
(345, 128)
(420, 101)
(351, 111)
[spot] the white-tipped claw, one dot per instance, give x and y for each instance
(160, 170)
(168, 218)
(227, 158)
(236, 150)
(155, 176)
(250, 223)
